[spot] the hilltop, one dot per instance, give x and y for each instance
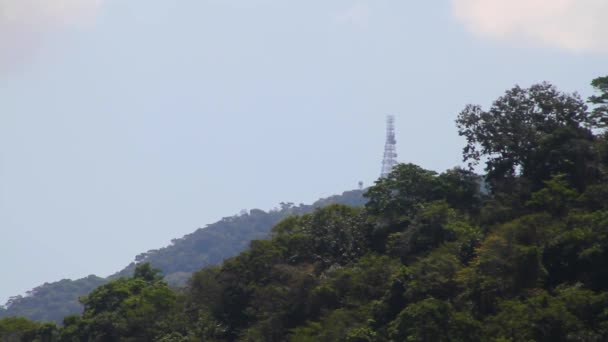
(430, 257)
(204, 247)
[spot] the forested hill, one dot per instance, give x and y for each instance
(227, 238)
(429, 258)
(204, 247)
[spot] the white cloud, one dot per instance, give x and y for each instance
(357, 15)
(577, 25)
(25, 23)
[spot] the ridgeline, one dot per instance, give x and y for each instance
(430, 257)
(205, 247)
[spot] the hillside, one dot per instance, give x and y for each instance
(52, 301)
(226, 238)
(428, 258)
(204, 247)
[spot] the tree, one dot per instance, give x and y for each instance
(539, 318)
(433, 320)
(18, 329)
(432, 257)
(141, 308)
(534, 132)
(402, 191)
(462, 189)
(600, 112)
(427, 231)
(334, 234)
(147, 273)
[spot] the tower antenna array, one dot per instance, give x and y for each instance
(390, 147)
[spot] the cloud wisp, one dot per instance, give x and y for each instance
(357, 15)
(24, 24)
(575, 25)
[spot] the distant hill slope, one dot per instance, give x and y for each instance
(226, 238)
(206, 246)
(52, 301)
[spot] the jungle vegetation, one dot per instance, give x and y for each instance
(516, 254)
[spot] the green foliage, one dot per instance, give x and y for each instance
(577, 252)
(18, 329)
(228, 237)
(205, 247)
(128, 309)
(537, 131)
(52, 301)
(433, 320)
(600, 112)
(556, 197)
(148, 274)
(411, 195)
(431, 257)
(337, 325)
(540, 317)
(433, 276)
(462, 190)
(402, 191)
(337, 233)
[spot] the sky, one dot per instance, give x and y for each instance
(127, 123)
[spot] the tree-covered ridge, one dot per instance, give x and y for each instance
(206, 246)
(430, 257)
(51, 301)
(226, 238)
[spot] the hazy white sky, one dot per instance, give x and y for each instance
(124, 124)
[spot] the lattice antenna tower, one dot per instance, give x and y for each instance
(390, 148)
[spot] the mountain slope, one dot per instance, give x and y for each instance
(50, 301)
(204, 247)
(226, 238)
(429, 258)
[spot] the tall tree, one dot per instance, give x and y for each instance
(600, 112)
(535, 132)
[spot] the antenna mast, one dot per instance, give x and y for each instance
(390, 147)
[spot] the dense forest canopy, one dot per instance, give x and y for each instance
(205, 247)
(516, 255)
